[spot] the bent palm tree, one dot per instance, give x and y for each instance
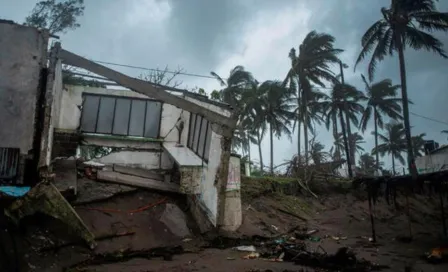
(404, 23)
(343, 101)
(277, 111)
(311, 66)
(418, 144)
(238, 81)
(393, 143)
(381, 101)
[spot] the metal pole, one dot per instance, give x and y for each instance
(348, 150)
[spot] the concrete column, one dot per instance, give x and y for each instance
(233, 216)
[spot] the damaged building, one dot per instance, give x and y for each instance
(137, 134)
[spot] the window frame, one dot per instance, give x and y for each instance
(116, 97)
(207, 133)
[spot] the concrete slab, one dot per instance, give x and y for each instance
(183, 156)
(93, 191)
(175, 220)
(139, 172)
(137, 181)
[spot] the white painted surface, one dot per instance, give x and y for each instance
(182, 155)
(142, 159)
(71, 102)
(433, 162)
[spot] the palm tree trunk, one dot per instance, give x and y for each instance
(404, 95)
(375, 119)
(299, 128)
(347, 151)
(248, 151)
(393, 164)
(259, 152)
(271, 131)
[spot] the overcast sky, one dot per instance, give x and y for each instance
(204, 35)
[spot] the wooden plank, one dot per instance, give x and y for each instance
(137, 181)
(139, 172)
(145, 88)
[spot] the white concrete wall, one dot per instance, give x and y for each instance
(69, 118)
(209, 192)
(433, 162)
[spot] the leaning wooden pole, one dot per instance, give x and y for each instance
(372, 221)
(441, 195)
(408, 212)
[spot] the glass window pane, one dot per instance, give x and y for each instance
(137, 121)
(152, 125)
(191, 130)
(89, 113)
(121, 116)
(202, 137)
(197, 130)
(208, 140)
(106, 115)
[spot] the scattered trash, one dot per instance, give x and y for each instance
(230, 258)
(274, 227)
(337, 238)
(280, 241)
(311, 232)
(437, 255)
(314, 239)
(186, 240)
(253, 255)
(245, 248)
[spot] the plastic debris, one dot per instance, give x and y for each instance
(245, 248)
(311, 232)
(253, 255)
(314, 239)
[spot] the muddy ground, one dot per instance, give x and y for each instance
(339, 216)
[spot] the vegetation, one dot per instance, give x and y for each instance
(56, 16)
(404, 23)
(299, 104)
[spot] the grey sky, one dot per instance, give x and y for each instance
(203, 36)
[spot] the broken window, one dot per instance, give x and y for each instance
(120, 116)
(199, 136)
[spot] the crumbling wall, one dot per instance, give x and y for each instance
(65, 143)
(207, 200)
(22, 58)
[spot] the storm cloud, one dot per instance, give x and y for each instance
(203, 36)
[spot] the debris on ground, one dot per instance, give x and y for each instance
(175, 220)
(245, 248)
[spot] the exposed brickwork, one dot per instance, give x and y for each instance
(65, 144)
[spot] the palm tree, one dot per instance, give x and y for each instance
(237, 85)
(310, 66)
(393, 143)
(367, 164)
(277, 111)
(381, 101)
(418, 145)
(344, 100)
(238, 81)
(404, 23)
(317, 153)
(356, 141)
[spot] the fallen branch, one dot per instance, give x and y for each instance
(291, 214)
(125, 255)
(98, 238)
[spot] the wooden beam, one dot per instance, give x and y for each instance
(145, 88)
